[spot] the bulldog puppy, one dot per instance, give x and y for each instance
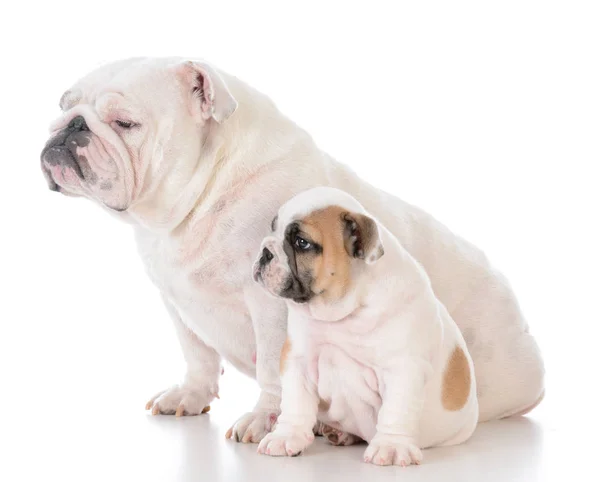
(370, 350)
(198, 163)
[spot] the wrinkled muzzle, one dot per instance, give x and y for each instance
(85, 157)
(272, 270)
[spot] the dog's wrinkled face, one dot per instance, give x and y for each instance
(86, 158)
(321, 239)
(129, 125)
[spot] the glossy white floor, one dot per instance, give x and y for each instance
(98, 430)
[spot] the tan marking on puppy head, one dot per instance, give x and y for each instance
(339, 236)
(456, 385)
(285, 350)
(330, 265)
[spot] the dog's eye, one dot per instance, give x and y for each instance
(124, 124)
(302, 243)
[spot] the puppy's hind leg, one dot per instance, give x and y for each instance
(334, 436)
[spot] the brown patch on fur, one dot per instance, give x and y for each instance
(456, 385)
(324, 405)
(285, 350)
(330, 268)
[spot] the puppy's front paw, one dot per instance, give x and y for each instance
(393, 450)
(285, 444)
(181, 400)
(252, 427)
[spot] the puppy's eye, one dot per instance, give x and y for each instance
(302, 243)
(124, 124)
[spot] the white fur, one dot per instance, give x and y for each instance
(379, 362)
(201, 199)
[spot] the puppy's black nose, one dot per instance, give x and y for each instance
(266, 257)
(78, 124)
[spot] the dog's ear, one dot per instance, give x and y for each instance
(210, 97)
(361, 237)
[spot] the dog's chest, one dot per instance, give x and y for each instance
(337, 352)
(342, 362)
(337, 366)
(203, 290)
(348, 390)
(182, 271)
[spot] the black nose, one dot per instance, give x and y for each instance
(78, 124)
(266, 257)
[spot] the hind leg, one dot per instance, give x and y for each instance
(335, 436)
(525, 410)
(509, 369)
(517, 372)
(512, 380)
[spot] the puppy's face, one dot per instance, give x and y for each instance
(134, 129)
(316, 254)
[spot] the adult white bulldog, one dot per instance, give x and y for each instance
(199, 162)
(370, 350)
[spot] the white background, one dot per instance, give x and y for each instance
(486, 114)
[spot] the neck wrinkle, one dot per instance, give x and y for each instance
(220, 161)
(191, 194)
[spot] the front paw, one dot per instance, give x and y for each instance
(279, 444)
(181, 400)
(252, 427)
(393, 450)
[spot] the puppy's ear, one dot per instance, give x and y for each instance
(361, 237)
(210, 96)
